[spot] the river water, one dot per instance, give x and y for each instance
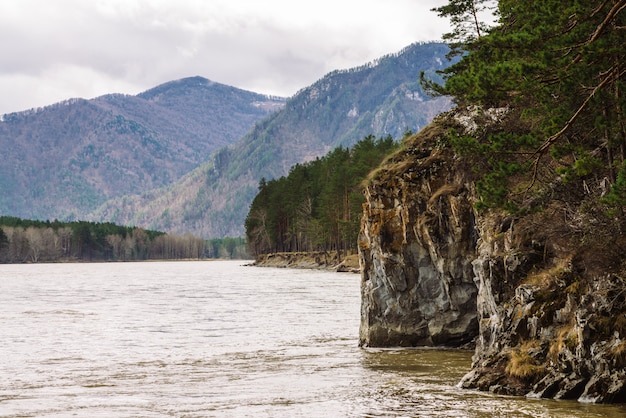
(218, 339)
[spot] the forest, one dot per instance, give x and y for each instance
(318, 205)
(559, 68)
(32, 241)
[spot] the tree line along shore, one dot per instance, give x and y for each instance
(31, 241)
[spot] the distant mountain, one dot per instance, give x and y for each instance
(381, 98)
(65, 160)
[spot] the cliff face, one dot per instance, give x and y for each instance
(417, 244)
(541, 294)
(546, 330)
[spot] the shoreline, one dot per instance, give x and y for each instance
(316, 260)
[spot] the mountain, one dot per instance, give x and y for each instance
(380, 98)
(65, 160)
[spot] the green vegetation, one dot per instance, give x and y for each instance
(44, 241)
(318, 205)
(558, 67)
(233, 248)
(466, 17)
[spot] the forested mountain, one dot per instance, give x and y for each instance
(63, 161)
(380, 98)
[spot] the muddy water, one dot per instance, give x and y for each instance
(218, 339)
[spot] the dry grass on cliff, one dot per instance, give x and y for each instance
(618, 354)
(444, 190)
(522, 365)
(567, 337)
(420, 150)
(546, 278)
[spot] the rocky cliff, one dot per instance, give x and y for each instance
(542, 294)
(417, 244)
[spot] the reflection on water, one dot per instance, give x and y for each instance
(218, 339)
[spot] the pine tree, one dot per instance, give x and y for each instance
(563, 63)
(467, 20)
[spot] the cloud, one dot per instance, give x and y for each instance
(54, 50)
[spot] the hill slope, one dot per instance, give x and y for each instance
(381, 98)
(64, 160)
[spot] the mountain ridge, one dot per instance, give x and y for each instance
(65, 159)
(381, 98)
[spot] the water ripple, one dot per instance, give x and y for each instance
(218, 339)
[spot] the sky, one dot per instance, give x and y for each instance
(52, 50)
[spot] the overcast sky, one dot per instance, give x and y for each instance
(51, 50)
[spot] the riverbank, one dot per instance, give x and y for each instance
(317, 260)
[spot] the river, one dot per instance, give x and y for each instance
(218, 339)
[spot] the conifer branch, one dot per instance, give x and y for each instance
(615, 10)
(540, 152)
(598, 9)
(552, 139)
